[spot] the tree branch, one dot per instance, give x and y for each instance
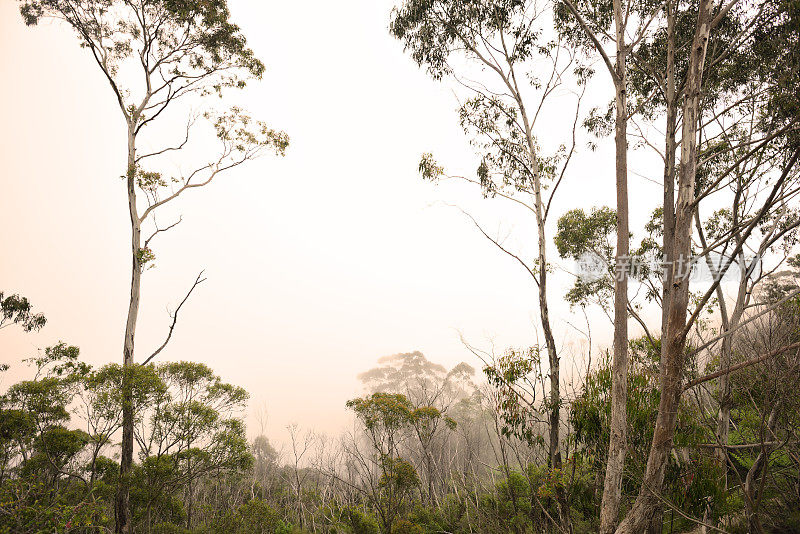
(748, 363)
(199, 280)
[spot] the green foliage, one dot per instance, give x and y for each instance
(493, 125)
(692, 482)
(31, 505)
(386, 411)
(432, 30)
(18, 310)
(52, 476)
(513, 377)
(579, 232)
(428, 168)
(216, 43)
(254, 516)
(776, 51)
(241, 135)
(448, 516)
(404, 526)
(398, 475)
(586, 238)
(145, 257)
(356, 521)
(508, 507)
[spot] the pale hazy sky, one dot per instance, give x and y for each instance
(317, 264)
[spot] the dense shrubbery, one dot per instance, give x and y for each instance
(432, 459)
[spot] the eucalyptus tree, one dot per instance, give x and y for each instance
(422, 381)
(669, 73)
(190, 428)
(296, 476)
(387, 480)
(596, 25)
(35, 416)
(433, 390)
(692, 189)
(491, 48)
(18, 310)
(155, 54)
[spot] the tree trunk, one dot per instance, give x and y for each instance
(724, 416)
(554, 456)
(122, 501)
(554, 452)
(670, 149)
(751, 499)
(189, 498)
(612, 486)
(553, 360)
(674, 337)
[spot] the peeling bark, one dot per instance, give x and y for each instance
(674, 335)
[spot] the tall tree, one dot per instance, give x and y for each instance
(721, 85)
(389, 480)
(502, 41)
(679, 248)
(594, 25)
(153, 54)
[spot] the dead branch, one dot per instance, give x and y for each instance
(199, 280)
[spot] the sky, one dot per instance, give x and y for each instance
(318, 263)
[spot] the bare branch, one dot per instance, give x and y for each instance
(748, 363)
(199, 280)
(497, 244)
(160, 230)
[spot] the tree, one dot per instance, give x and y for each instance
(691, 190)
(389, 420)
(389, 478)
(421, 380)
(433, 390)
(154, 54)
(591, 24)
(504, 40)
(190, 428)
(54, 473)
(17, 310)
(300, 446)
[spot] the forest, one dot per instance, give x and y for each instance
(687, 421)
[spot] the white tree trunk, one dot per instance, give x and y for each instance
(674, 336)
(122, 503)
(617, 447)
